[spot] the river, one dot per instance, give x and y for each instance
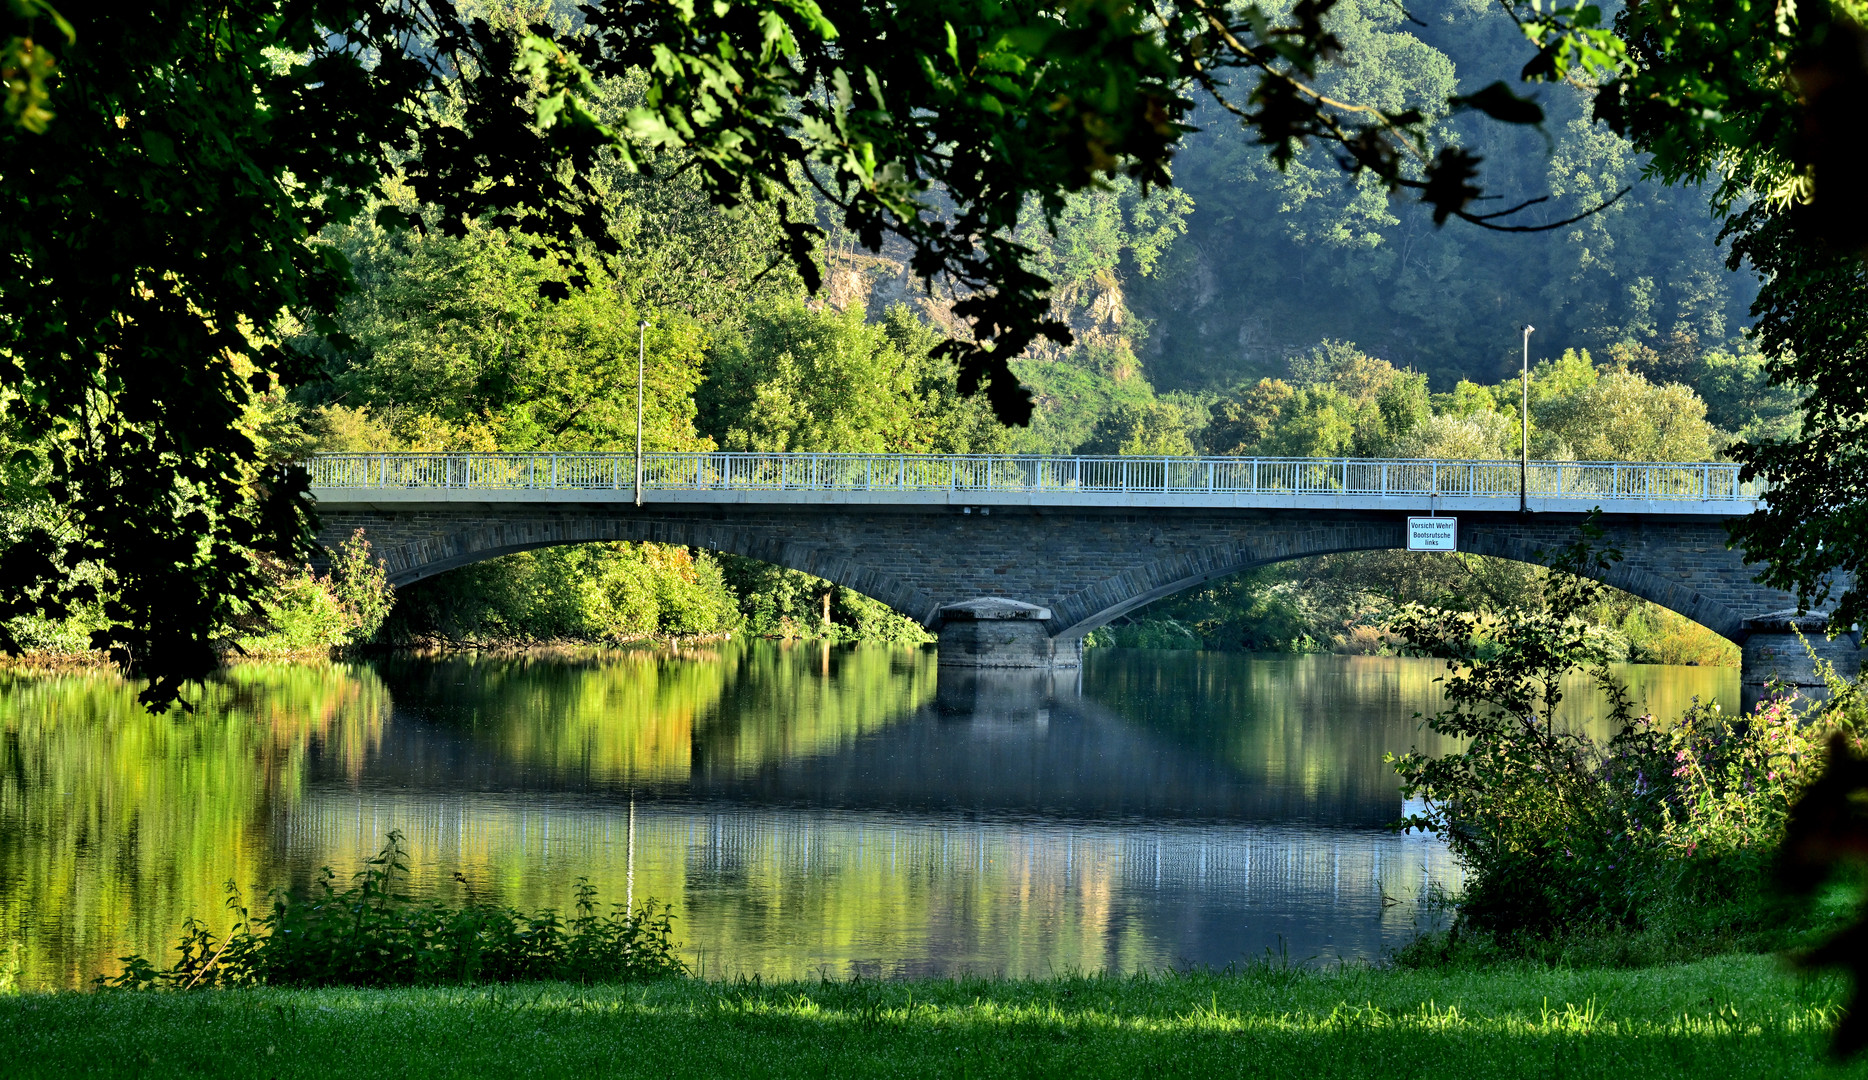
(807, 811)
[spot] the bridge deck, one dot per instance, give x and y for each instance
(988, 481)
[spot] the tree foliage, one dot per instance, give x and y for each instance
(159, 230)
(606, 593)
(1766, 101)
(813, 379)
(450, 344)
(1813, 313)
(164, 220)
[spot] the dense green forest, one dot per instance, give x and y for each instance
(1245, 311)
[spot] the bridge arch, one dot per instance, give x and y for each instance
(413, 559)
(1109, 600)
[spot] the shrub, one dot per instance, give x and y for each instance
(298, 615)
(777, 602)
(1364, 639)
(371, 935)
(597, 592)
(1658, 636)
(360, 585)
(1557, 832)
(306, 613)
(1146, 634)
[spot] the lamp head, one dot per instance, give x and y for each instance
(1528, 328)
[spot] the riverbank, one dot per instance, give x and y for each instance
(435, 648)
(1728, 1017)
(556, 649)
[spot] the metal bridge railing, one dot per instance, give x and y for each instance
(1705, 481)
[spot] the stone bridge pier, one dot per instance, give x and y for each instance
(1019, 585)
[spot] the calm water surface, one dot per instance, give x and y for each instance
(806, 811)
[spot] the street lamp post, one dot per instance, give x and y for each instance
(1524, 425)
(642, 343)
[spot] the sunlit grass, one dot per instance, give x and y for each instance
(1727, 1018)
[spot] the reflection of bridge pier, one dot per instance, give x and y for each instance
(1013, 559)
(1014, 694)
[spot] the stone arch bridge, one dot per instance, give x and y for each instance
(1012, 559)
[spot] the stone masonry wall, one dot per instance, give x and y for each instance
(1088, 566)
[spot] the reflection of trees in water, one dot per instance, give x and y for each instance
(809, 700)
(1322, 723)
(1028, 744)
(1316, 727)
(654, 718)
(626, 715)
(117, 825)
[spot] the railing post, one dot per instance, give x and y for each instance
(1615, 481)
(554, 472)
(1076, 472)
(988, 474)
(1433, 482)
(1254, 489)
(1384, 478)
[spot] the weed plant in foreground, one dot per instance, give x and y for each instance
(372, 935)
(1727, 1018)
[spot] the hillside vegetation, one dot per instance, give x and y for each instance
(1243, 311)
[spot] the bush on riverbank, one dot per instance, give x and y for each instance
(371, 935)
(301, 613)
(1346, 603)
(603, 593)
(780, 603)
(306, 613)
(1666, 832)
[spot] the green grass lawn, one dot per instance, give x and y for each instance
(1725, 1018)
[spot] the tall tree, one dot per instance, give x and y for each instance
(165, 172)
(1768, 102)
